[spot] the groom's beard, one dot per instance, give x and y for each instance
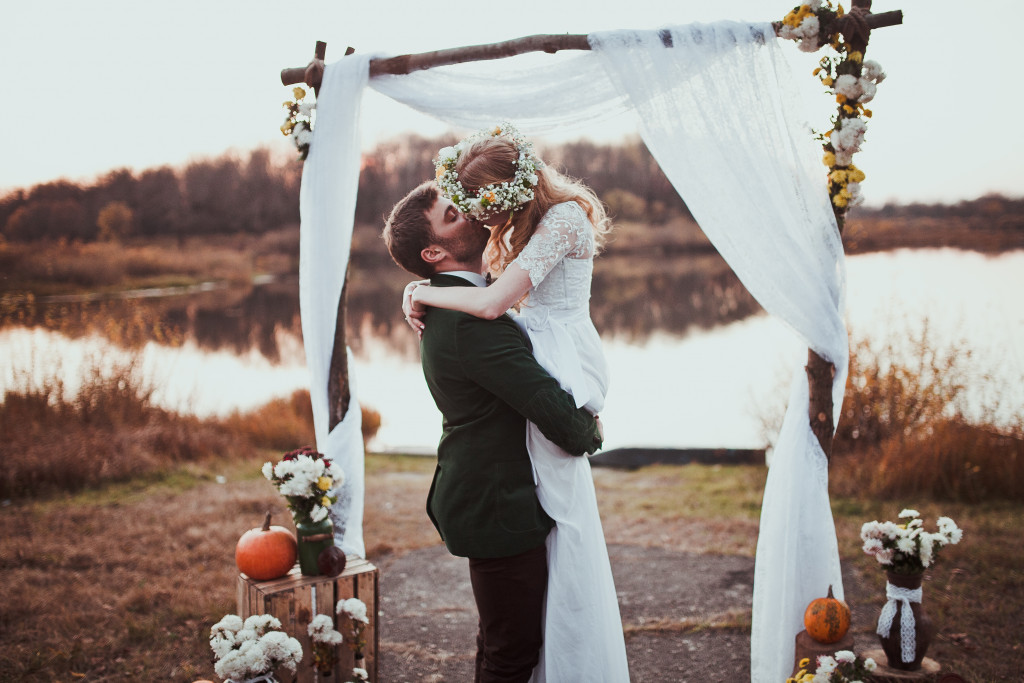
(468, 245)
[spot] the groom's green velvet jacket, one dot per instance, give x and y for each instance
(487, 384)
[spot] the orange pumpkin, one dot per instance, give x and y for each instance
(266, 553)
(827, 619)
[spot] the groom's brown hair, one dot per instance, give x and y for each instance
(407, 231)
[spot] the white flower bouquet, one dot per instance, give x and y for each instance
(306, 479)
(907, 548)
(253, 648)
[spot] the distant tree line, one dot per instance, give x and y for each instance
(259, 193)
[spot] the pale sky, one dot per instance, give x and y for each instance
(94, 85)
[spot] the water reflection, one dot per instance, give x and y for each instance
(633, 297)
(673, 382)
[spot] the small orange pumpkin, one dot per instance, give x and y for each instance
(266, 553)
(827, 619)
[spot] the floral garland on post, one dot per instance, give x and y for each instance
(852, 81)
(299, 122)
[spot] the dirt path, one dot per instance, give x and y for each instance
(687, 615)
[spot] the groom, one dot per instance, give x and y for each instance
(486, 384)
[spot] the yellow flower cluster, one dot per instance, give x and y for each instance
(797, 15)
(803, 675)
(839, 180)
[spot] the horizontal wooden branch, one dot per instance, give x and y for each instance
(550, 43)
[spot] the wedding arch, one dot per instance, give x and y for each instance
(715, 106)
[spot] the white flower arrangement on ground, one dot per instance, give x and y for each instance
(255, 647)
(299, 122)
(306, 479)
(851, 80)
(325, 638)
(844, 667)
(907, 548)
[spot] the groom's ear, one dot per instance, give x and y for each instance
(433, 254)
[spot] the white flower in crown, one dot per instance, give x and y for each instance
(496, 197)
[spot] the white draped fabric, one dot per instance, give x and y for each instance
(327, 201)
(715, 109)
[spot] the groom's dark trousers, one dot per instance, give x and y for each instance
(483, 498)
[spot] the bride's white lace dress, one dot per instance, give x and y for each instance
(583, 639)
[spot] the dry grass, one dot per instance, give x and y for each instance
(124, 582)
(67, 433)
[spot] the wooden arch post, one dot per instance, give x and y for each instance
(855, 27)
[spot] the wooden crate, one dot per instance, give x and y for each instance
(295, 599)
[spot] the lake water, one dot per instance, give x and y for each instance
(702, 387)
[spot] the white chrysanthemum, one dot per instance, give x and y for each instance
(306, 108)
(268, 470)
(925, 551)
(843, 158)
(815, 5)
(318, 513)
(872, 71)
(261, 623)
(907, 512)
(821, 678)
(361, 674)
(826, 665)
(906, 545)
(855, 198)
(846, 656)
(282, 649)
(868, 90)
(848, 85)
(847, 140)
(870, 530)
(221, 646)
(870, 665)
(354, 608)
(303, 137)
(885, 556)
(808, 29)
(233, 665)
(872, 546)
(230, 624)
(808, 46)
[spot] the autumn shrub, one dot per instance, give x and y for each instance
(909, 427)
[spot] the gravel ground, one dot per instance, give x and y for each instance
(686, 615)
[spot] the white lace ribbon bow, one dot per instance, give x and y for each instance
(907, 630)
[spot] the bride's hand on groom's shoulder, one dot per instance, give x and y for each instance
(413, 310)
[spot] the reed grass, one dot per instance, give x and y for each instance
(70, 430)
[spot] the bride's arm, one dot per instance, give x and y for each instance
(482, 302)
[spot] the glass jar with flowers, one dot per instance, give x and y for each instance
(906, 550)
(307, 479)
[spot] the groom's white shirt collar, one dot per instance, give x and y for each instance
(476, 278)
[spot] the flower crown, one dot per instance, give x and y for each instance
(495, 197)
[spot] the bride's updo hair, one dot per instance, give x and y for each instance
(493, 160)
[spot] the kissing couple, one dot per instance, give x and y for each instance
(520, 396)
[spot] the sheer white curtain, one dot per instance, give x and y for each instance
(327, 201)
(714, 109)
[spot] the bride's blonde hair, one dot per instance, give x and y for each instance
(493, 160)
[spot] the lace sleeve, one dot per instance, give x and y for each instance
(563, 232)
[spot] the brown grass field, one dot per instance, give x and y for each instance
(123, 582)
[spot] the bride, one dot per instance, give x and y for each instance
(546, 229)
